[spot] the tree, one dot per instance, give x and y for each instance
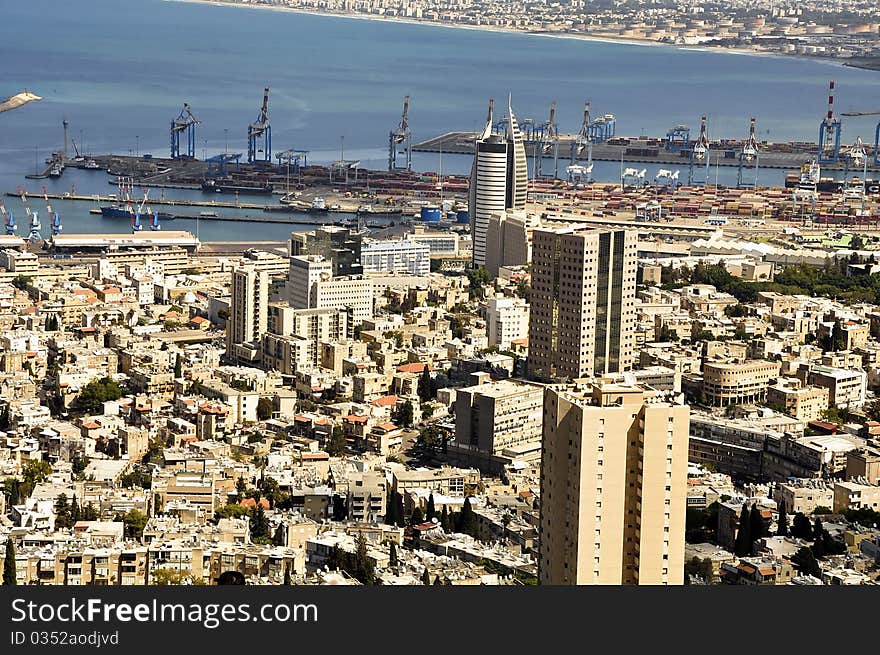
(9, 578)
(801, 527)
(338, 443)
(92, 397)
(265, 408)
(430, 512)
(406, 414)
(178, 370)
(699, 568)
(756, 524)
(806, 562)
(74, 511)
(278, 537)
(135, 522)
(391, 509)
(4, 418)
(416, 517)
(232, 511)
(743, 544)
(467, 520)
(259, 523)
(392, 554)
(89, 513)
(426, 577)
(782, 521)
(287, 581)
(62, 512)
(426, 389)
(445, 521)
(364, 569)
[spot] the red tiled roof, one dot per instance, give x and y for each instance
(385, 401)
(354, 418)
(415, 367)
(250, 503)
(91, 425)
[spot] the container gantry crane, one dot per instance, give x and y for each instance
(700, 154)
(260, 134)
(8, 220)
(876, 131)
(34, 235)
(749, 156)
(185, 123)
(547, 143)
(829, 133)
(53, 215)
(400, 143)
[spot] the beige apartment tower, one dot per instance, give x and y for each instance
(582, 315)
(249, 306)
(613, 486)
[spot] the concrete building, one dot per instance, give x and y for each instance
(507, 319)
(864, 463)
(613, 486)
(804, 495)
(509, 239)
(396, 256)
(582, 314)
(856, 495)
(311, 285)
(846, 387)
(492, 417)
(734, 383)
(338, 245)
(805, 403)
(19, 262)
(499, 180)
(250, 299)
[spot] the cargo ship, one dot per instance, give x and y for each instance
(234, 186)
(115, 211)
(810, 175)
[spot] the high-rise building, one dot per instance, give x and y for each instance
(338, 245)
(311, 285)
(582, 314)
(613, 485)
(499, 179)
(249, 306)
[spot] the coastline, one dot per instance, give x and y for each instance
(745, 51)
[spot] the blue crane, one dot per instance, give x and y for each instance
(185, 123)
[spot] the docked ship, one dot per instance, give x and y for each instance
(118, 211)
(318, 206)
(379, 212)
(810, 174)
(236, 186)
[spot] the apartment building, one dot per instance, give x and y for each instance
(613, 486)
(802, 402)
(492, 417)
(735, 383)
(507, 319)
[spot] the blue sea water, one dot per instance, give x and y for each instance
(119, 71)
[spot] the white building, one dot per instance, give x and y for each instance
(507, 319)
(396, 256)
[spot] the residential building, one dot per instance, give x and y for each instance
(507, 319)
(338, 245)
(492, 417)
(613, 486)
(396, 256)
(805, 403)
(582, 313)
(248, 315)
(735, 383)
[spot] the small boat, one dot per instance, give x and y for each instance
(318, 206)
(92, 165)
(209, 214)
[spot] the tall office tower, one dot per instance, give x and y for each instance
(582, 315)
(249, 311)
(613, 485)
(499, 179)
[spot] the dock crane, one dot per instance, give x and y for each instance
(34, 235)
(876, 131)
(53, 215)
(582, 143)
(547, 143)
(8, 220)
(829, 133)
(135, 218)
(700, 154)
(185, 123)
(154, 221)
(260, 134)
(402, 136)
(748, 156)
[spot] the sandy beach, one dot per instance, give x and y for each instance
(748, 51)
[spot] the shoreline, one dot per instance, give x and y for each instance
(743, 51)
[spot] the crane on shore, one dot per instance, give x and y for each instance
(8, 220)
(401, 136)
(876, 131)
(185, 123)
(260, 134)
(829, 133)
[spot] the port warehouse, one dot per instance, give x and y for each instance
(99, 243)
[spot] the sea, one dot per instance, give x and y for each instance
(120, 70)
